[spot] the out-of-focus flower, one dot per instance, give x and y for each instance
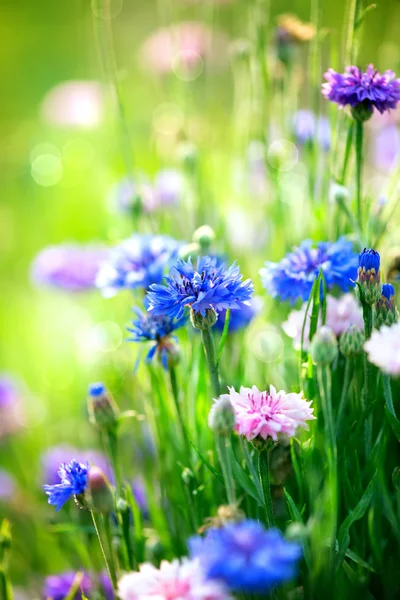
(74, 478)
(7, 486)
(137, 262)
(386, 147)
(168, 187)
(265, 414)
(127, 194)
(58, 586)
(209, 286)
(176, 580)
(293, 277)
(352, 341)
(386, 312)
(307, 128)
(340, 314)
(241, 317)
(53, 457)
(295, 29)
(221, 418)
(74, 104)
(68, 266)
(156, 328)
(246, 557)
(183, 46)
(383, 349)
(324, 346)
(102, 408)
(10, 405)
(139, 493)
(362, 91)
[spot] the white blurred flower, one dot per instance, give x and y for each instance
(383, 349)
(74, 104)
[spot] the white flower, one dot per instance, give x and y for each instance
(176, 580)
(383, 349)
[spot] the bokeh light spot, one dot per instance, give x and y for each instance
(47, 170)
(265, 342)
(78, 154)
(168, 118)
(107, 10)
(106, 336)
(282, 155)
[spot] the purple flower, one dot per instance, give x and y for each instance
(9, 394)
(74, 479)
(139, 493)
(57, 587)
(70, 267)
(308, 128)
(7, 485)
(10, 405)
(386, 147)
(168, 187)
(370, 89)
(53, 457)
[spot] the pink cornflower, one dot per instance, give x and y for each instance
(265, 414)
(176, 580)
(383, 349)
(74, 104)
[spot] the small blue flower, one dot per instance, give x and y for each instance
(369, 259)
(245, 556)
(293, 277)
(74, 476)
(96, 389)
(209, 286)
(388, 291)
(136, 263)
(148, 327)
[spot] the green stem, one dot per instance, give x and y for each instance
(5, 587)
(208, 343)
(109, 565)
(359, 159)
(112, 439)
(368, 372)
(126, 532)
(175, 394)
(387, 391)
(224, 455)
(348, 374)
(107, 528)
(264, 475)
(349, 142)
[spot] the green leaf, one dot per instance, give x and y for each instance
(362, 14)
(357, 559)
(207, 464)
(297, 518)
(224, 334)
(356, 514)
(75, 586)
(246, 482)
(394, 422)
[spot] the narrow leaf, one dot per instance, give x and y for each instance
(207, 464)
(246, 482)
(224, 334)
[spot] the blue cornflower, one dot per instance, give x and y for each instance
(137, 262)
(369, 259)
(209, 286)
(245, 556)
(74, 477)
(148, 327)
(292, 278)
(388, 291)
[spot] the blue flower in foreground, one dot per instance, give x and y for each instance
(369, 259)
(136, 263)
(148, 327)
(245, 556)
(370, 89)
(292, 278)
(209, 286)
(74, 477)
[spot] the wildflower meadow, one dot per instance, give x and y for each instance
(199, 227)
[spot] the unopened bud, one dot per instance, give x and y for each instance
(324, 346)
(189, 251)
(338, 194)
(368, 289)
(385, 309)
(362, 112)
(103, 411)
(203, 322)
(221, 418)
(352, 341)
(100, 495)
(204, 237)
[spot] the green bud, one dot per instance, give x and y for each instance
(204, 237)
(122, 505)
(339, 194)
(187, 475)
(200, 322)
(189, 251)
(221, 418)
(324, 346)
(352, 341)
(103, 411)
(362, 112)
(100, 497)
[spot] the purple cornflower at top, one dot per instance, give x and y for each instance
(128, 194)
(386, 147)
(209, 286)
(7, 486)
(370, 89)
(155, 328)
(293, 277)
(245, 556)
(74, 477)
(136, 263)
(240, 318)
(70, 267)
(58, 586)
(53, 457)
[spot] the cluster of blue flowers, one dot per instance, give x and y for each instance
(74, 478)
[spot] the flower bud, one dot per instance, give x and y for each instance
(189, 251)
(385, 309)
(324, 346)
(122, 505)
(351, 341)
(362, 112)
(368, 289)
(200, 322)
(103, 412)
(204, 237)
(221, 418)
(100, 497)
(338, 194)
(187, 475)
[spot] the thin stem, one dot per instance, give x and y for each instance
(387, 392)
(112, 439)
(5, 587)
(368, 372)
(208, 343)
(107, 528)
(110, 571)
(224, 455)
(348, 374)
(359, 159)
(125, 516)
(175, 394)
(264, 475)
(349, 142)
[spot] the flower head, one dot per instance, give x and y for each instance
(69, 267)
(385, 308)
(137, 262)
(155, 328)
(363, 90)
(245, 556)
(293, 277)
(168, 187)
(383, 349)
(176, 580)
(369, 276)
(209, 286)
(54, 456)
(74, 478)
(58, 586)
(266, 414)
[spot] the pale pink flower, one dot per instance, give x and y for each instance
(340, 313)
(176, 580)
(266, 414)
(183, 47)
(74, 104)
(383, 349)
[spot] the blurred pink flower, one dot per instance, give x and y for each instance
(265, 414)
(74, 104)
(383, 349)
(183, 47)
(340, 313)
